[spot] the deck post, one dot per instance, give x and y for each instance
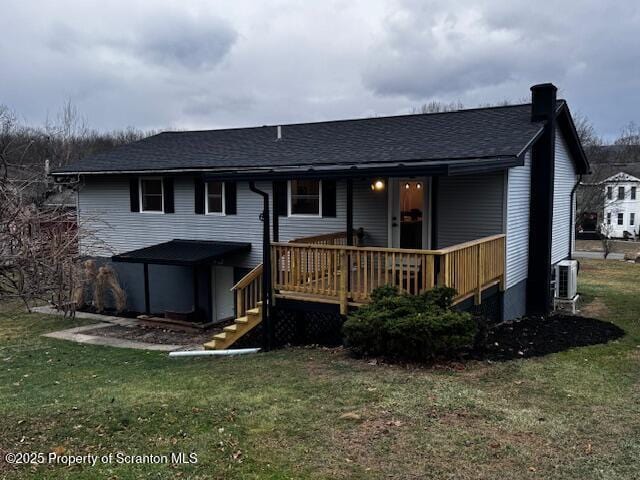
(443, 281)
(480, 265)
(240, 311)
(344, 271)
(196, 288)
(147, 307)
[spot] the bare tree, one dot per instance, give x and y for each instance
(589, 139)
(436, 106)
(630, 135)
(605, 239)
(39, 244)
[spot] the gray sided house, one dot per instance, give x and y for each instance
(220, 223)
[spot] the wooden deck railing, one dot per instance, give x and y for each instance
(248, 291)
(469, 267)
(344, 274)
(336, 238)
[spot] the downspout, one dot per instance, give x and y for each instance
(266, 268)
(572, 224)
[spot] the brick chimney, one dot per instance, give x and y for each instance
(543, 111)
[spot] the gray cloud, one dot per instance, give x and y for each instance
(189, 42)
(186, 41)
(203, 64)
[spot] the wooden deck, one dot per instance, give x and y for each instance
(323, 269)
(345, 275)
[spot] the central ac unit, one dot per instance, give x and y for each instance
(566, 273)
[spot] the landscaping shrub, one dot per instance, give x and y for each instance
(412, 327)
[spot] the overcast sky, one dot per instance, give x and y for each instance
(209, 64)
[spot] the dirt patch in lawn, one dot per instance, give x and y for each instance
(536, 336)
(154, 335)
(595, 309)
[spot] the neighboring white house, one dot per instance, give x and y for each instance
(621, 205)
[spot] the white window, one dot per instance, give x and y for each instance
(215, 203)
(305, 198)
(620, 193)
(609, 193)
(633, 193)
(621, 219)
(608, 218)
(151, 195)
(632, 219)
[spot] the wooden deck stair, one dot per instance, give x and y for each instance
(237, 329)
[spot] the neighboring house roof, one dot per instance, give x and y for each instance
(494, 133)
(621, 177)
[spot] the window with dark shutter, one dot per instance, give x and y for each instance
(328, 198)
(304, 198)
(134, 195)
(151, 195)
(168, 195)
(199, 197)
(280, 198)
(215, 198)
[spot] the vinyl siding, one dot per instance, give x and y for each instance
(370, 213)
(469, 207)
(111, 228)
(564, 180)
(626, 207)
(518, 211)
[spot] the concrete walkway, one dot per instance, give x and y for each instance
(612, 256)
(77, 334)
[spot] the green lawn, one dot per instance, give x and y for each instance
(315, 413)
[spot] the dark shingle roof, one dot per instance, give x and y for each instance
(493, 132)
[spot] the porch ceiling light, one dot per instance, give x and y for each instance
(377, 185)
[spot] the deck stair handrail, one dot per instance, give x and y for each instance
(347, 274)
(248, 291)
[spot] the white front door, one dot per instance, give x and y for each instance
(409, 213)
(221, 294)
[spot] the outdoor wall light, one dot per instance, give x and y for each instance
(419, 186)
(377, 185)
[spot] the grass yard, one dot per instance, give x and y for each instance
(315, 413)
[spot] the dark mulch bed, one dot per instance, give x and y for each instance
(536, 336)
(163, 336)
